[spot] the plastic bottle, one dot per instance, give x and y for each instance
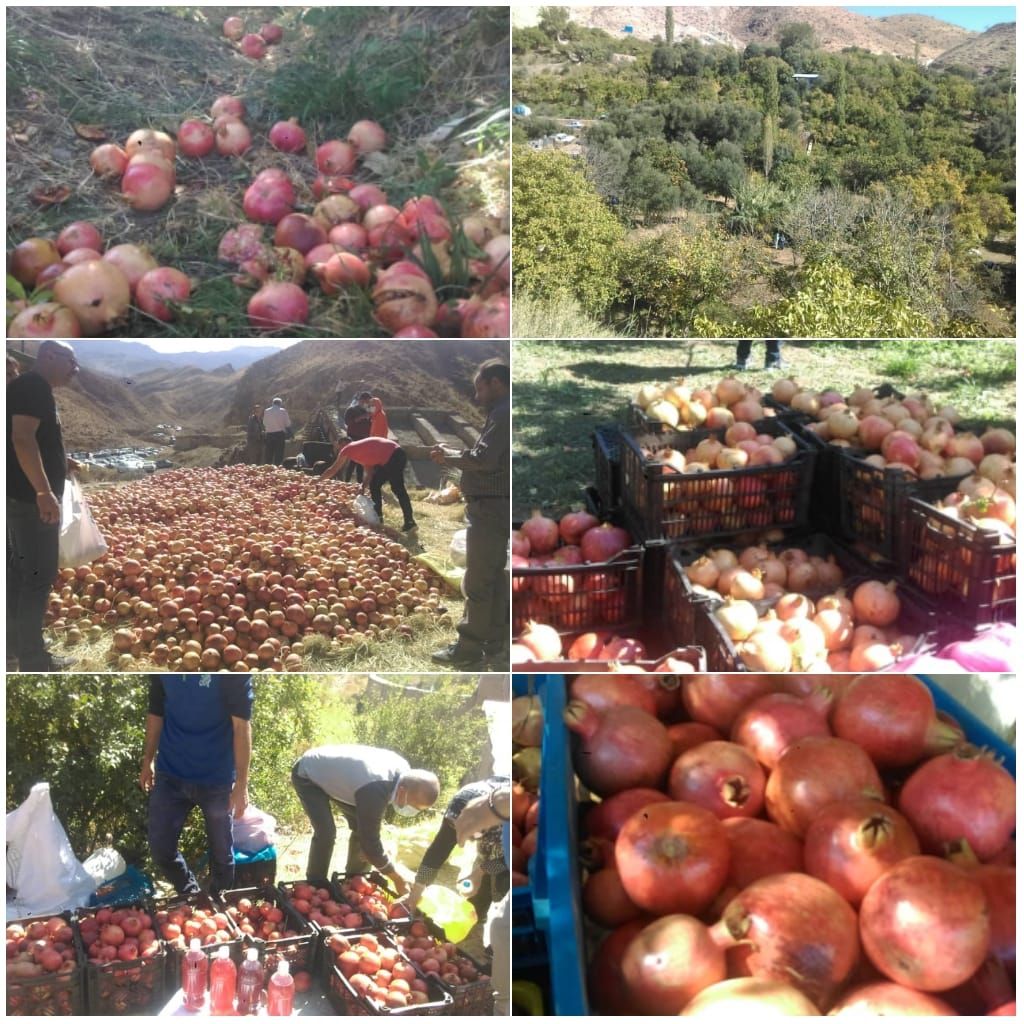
(280, 991)
(222, 984)
(194, 969)
(250, 983)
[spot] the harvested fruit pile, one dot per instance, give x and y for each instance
(737, 534)
(237, 567)
(527, 733)
(381, 973)
(777, 842)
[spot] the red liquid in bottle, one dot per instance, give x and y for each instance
(193, 977)
(250, 984)
(222, 984)
(280, 992)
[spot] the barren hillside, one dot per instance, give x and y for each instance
(834, 27)
(995, 48)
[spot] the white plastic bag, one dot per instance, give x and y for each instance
(42, 870)
(80, 539)
(364, 510)
(104, 864)
(253, 831)
(457, 548)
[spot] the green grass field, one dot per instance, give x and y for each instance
(563, 389)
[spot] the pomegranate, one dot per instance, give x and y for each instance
(79, 234)
(132, 260)
(404, 300)
(147, 186)
(960, 797)
(148, 138)
(543, 640)
(876, 603)
(44, 320)
(253, 45)
(603, 543)
(367, 136)
(572, 525)
(687, 735)
(721, 777)
(288, 137)
(852, 842)
(924, 924)
(605, 691)
(369, 196)
(267, 200)
(299, 231)
(490, 318)
(668, 963)
(348, 235)
(336, 157)
(759, 848)
(233, 28)
(278, 304)
(767, 726)
(716, 700)
(605, 901)
(605, 820)
(195, 138)
(672, 858)
(814, 772)
(757, 997)
(232, 138)
(887, 999)
(30, 257)
(271, 33)
(541, 532)
(604, 976)
(621, 748)
(233, 105)
(108, 160)
(343, 270)
(795, 929)
(96, 292)
(335, 209)
(158, 287)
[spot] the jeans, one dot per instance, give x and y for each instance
(169, 806)
(318, 806)
(31, 571)
(274, 442)
(485, 621)
(772, 354)
(393, 473)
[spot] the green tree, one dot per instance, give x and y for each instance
(553, 21)
(565, 240)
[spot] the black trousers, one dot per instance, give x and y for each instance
(485, 619)
(275, 447)
(320, 808)
(393, 473)
(771, 350)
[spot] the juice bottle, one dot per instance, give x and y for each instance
(280, 991)
(193, 976)
(222, 984)
(250, 983)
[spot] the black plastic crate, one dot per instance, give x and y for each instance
(49, 995)
(287, 893)
(255, 874)
(916, 617)
(469, 998)
(970, 573)
(661, 505)
(299, 950)
(384, 890)
(347, 1001)
(176, 953)
(873, 502)
(607, 467)
(691, 654)
(124, 987)
(579, 598)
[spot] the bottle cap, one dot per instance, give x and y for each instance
(283, 968)
(195, 944)
(223, 953)
(252, 954)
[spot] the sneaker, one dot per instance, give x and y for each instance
(740, 364)
(774, 364)
(408, 527)
(455, 657)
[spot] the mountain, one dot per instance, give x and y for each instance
(835, 28)
(435, 375)
(127, 358)
(994, 49)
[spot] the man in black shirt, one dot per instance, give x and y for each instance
(37, 467)
(357, 426)
(484, 630)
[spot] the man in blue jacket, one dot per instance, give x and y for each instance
(198, 731)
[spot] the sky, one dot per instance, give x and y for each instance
(192, 345)
(977, 19)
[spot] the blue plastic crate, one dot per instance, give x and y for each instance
(554, 872)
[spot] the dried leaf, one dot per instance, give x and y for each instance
(50, 196)
(91, 132)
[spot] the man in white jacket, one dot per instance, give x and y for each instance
(276, 423)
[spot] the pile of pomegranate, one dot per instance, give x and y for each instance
(319, 907)
(181, 924)
(379, 972)
(42, 946)
(440, 959)
(252, 44)
(372, 899)
(730, 401)
(261, 918)
(237, 567)
(794, 844)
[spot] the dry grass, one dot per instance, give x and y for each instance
(413, 69)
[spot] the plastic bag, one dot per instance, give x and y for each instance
(42, 870)
(80, 539)
(253, 830)
(364, 510)
(457, 548)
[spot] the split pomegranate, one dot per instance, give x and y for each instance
(96, 292)
(44, 320)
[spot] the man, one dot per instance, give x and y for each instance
(254, 437)
(363, 781)
(384, 461)
(772, 354)
(484, 629)
(198, 730)
(357, 426)
(37, 467)
(276, 424)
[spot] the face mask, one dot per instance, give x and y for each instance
(408, 811)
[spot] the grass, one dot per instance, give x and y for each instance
(414, 69)
(563, 390)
